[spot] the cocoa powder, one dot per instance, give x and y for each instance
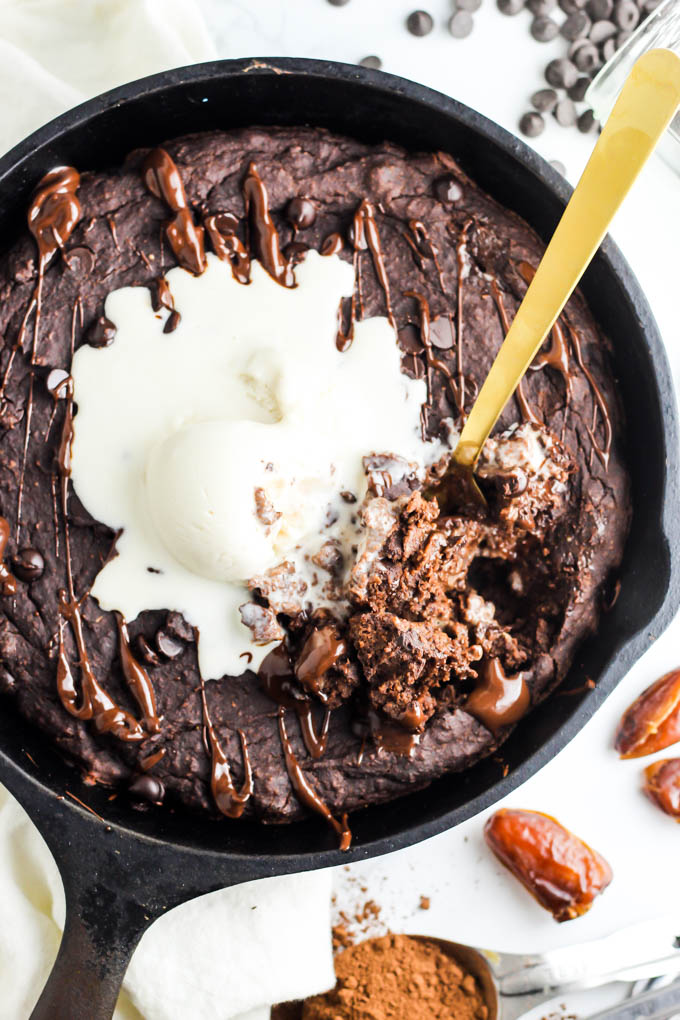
(397, 977)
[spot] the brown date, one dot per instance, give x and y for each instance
(663, 785)
(653, 720)
(558, 869)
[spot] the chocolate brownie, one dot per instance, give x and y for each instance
(455, 619)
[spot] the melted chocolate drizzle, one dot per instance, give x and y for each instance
(264, 237)
(162, 178)
(138, 679)
(161, 297)
(460, 265)
(432, 361)
(365, 234)
(229, 801)
(603, 452)
(498, 700)
(278, 683)
(227, 245)
(304, 790)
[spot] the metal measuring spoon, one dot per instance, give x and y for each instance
(511, 984)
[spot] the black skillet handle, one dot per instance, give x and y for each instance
(116, 884)
(92, 960)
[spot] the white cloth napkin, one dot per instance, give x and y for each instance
(233, 951)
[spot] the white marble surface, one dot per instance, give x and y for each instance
(586, 786)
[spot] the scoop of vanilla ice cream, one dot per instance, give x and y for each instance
(204, 483)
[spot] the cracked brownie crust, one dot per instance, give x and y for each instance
(448, 609)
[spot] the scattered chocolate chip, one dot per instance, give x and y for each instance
(372, 62)
(461, 24)
(413, 366)
(532, 124)
(575, 26)
(148, 788)
(419, 23)
(474, 5)
(168, 645)
(544, 100)
(600, 10)
(338, 3)
(447, 189)
(541, 7)
(101, 333)
(578, 91)
(28, 564)
(544, 29)
(586, 56)
(586, 122)
(560, 167)
(510, 6)
(565, 113)
(301, 212)
(442, 334)
(601, 31)
(561, 73)
(570, 6)
(608, 49)
(176, 625)
(146, 652)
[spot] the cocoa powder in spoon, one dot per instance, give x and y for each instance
(395, 977)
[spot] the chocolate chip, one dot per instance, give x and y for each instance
(338, 3)
(301, 212)
(442, 333)
(172, 322)
(101, 333)
(80, 260)
(544, 29)
(419, 23)
(600, 9)
(560, 167)
(348, 497)
(571, 6)
(447, 189)
(461, 24)
(176, 625)
(474, 5)
(601, 31)
(586, 57)
(561, 73)
(586, 122)
(28, 564)
(413, 366)
(544, 100)
(409, 340)
(168, 645)
(372, 62)
(532, 124)
(541, 7)
(148, 788)
(510, 6)
(608, 49)
(578, 91)
(146, 652)
(576, 26)
(295, 251)
(565, 113)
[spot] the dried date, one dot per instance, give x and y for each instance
(662, 784)
(652, 722)
(557, 868)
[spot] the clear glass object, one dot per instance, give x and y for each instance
(660, 30)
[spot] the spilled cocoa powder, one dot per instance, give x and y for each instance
(395, 977)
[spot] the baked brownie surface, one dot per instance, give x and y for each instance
(417, 641)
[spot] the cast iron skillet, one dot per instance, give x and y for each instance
(123, 869)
